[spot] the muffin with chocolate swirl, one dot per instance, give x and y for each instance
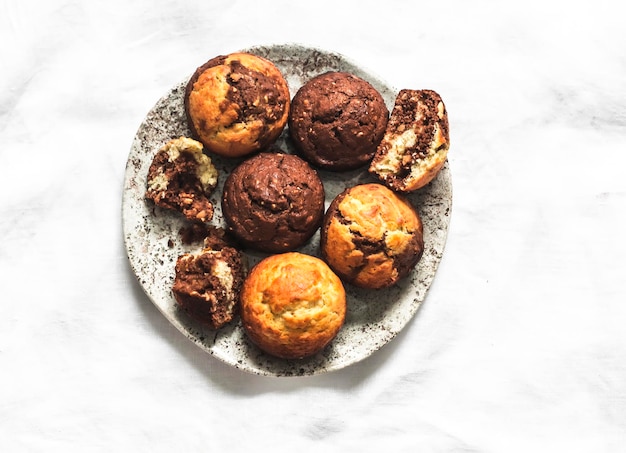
(371, 236)
(237, 104)
(208, 282)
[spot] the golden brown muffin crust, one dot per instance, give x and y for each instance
(371, 237)
(237, 104)
(292, 305)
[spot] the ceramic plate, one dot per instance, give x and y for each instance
(153, 242)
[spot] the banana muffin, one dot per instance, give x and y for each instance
(182, 178)
(371, 236)
(207, 283)
(292, 305)
(237, 104)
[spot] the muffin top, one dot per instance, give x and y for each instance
(273, 202)
(337, 120)
(371, 237)
(237, 104)
(292, 305)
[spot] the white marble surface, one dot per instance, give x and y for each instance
(520, 345)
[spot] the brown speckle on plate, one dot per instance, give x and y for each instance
(373, 318)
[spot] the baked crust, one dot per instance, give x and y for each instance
(292, 305)
(273, 202)
(416, 142)
(371, 236)
(237, 104)
(337, 120)
(207, 283)
(182, 178)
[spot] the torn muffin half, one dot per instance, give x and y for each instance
(208, 283)
(182, 178)
(416, 142)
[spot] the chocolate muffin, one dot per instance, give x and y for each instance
(237, 104)
(273, 202)
(337, 120)
(207, 284)
(181, 178)
(371, 236)
(416, 142)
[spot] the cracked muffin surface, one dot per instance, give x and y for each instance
(337, 120)
(371, 237)
(273, 202)
(292, 305)
(237, 104)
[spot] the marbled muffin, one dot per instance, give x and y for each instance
(371, 236)
(208, 283)
(273, 202)
(416, 142)
(182, 178)
(337, 120)
(292, 305)
(237, 104)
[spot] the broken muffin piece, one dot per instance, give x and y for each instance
(208, 283)
(416, 142)
(182, 178)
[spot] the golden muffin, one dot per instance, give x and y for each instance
(292, 305)
(237, 104)
(371, 236)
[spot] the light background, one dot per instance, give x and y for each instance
(520, 344)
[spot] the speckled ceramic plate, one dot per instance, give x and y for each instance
(153, 242)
